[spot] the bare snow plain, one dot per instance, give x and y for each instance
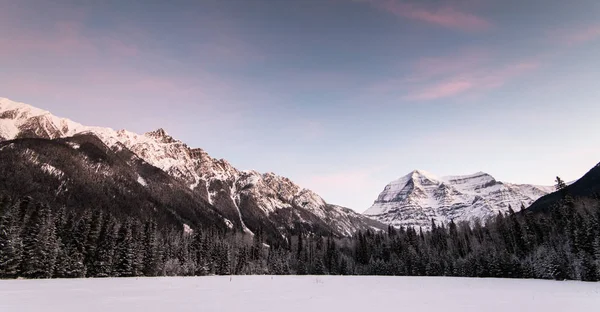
(297, 294)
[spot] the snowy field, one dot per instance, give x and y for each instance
(295, 293)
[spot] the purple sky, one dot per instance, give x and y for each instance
(341, 96)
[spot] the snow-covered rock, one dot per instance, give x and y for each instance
(417, 198)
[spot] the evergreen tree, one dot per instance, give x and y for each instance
(560, 184)
(10, 241)
(73, 240)
(91, 244)
(139, 247)
(38, 247)
(222, 259)
(62, 267)
(103, 262)
(124, 260)
(300, 248)
(151, 256)
(332, 256)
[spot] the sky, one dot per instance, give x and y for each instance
(341, 96)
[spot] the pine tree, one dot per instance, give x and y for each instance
(75, 266)
(343, 266)
(62, 261)
(80, 234)
(10, 241)
(300, 247)
(72, 259)
(241, 261)
(25, 208)
(91, 244)
(139, 248)
(223, 264)
(560, 184)
(37, 244)
(151, 256)
(332, 256)
(50, 244)
(31, 266)
(103, 261)
(124, 253)
(589, 268)
(201, 251)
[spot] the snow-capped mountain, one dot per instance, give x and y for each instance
(417, 198)
(248, 200)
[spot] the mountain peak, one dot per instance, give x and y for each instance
(160, 132)
(419, 175)
(422, 173)
(160, 135)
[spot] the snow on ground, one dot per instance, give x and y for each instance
(297, 294)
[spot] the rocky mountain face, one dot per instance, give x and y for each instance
(246, 200)
(417, 198)
(84, 174)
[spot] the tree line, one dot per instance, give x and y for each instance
(39, 242)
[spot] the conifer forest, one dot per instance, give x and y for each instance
(38, 240)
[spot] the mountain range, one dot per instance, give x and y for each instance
(166, 179)
(247, 201)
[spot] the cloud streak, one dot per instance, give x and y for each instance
(473, 71)
(478, 80)
(447, 16)
(577, 35)
(442, 90)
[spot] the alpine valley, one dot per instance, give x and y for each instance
(79, 201)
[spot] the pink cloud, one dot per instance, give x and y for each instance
(473, 71)
(498, 78)
(447, 16)
(427, 69)
(577, 35)
(475, 80)
(442, 90)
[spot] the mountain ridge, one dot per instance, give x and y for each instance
(250, 200)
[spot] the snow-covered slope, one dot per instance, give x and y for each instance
(415, 199)
(248, 199)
